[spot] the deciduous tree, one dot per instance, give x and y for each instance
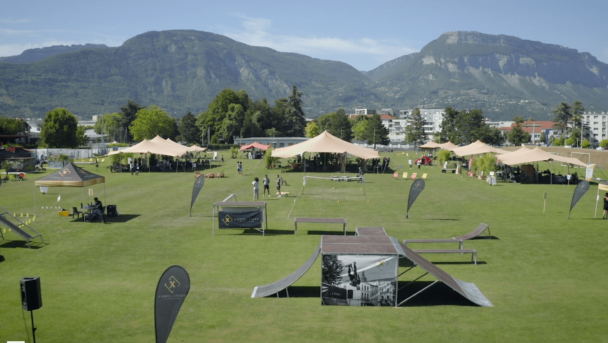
(375, 132)
(150, 122)
(188, 131)
(59, 129)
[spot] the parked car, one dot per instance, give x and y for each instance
(425, 160)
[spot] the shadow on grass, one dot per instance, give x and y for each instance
(22, 244)
(460, 262)
(481, 238)
(330, 233)
(299, 292)
(437, 295)
(2, 258)
(266, 232)
(123, 218)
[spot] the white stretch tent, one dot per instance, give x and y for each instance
(477, 148)
(326, 143)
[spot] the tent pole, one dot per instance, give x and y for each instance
(597, 198)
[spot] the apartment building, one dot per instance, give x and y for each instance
(595, 126)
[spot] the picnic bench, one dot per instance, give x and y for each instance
(473, 252)
(320, 220)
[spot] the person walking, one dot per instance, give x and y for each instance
(266, 182)
(606, 206)
(410, 163)
(279, 186)
(256, 189)
(419, 162)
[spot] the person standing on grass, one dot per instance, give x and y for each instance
(279, 186)
(256, 189)
(410, 163)
(266, 182)
(419, 162)
(606, 206)
(355, 281)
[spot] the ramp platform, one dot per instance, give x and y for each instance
(276, 287)
(372, 242)
(19, 228)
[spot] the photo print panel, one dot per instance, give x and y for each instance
(359, 280)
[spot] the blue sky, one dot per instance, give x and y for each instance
(363, 34)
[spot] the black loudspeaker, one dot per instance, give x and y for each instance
(31, 297)
(111, 209)
(350, 294)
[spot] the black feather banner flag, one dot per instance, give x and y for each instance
(198, 185)
(415, 190)
(579, 191)
(171, 291)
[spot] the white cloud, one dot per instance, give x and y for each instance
(257, 32)
(13, 21)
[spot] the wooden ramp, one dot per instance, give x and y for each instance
(17, 226)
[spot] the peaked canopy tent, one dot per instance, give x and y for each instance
(255, 145)
(537, 155)
(196, 148)
(430, 145)
(326, 143)
(448, 146)
(71, 176)
(477, 148)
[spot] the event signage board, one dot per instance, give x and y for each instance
(171, 291)
(579, 191)
(589, 172)
(249, 219)
(198, 185)
(415, 190)
(359, 280)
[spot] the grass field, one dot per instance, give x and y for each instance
(545, 274)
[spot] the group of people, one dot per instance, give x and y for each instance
(266, 183)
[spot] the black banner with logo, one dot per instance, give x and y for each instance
(415, 190)
(250, 219)
(579, 191)
(198, 185)
(171, 291)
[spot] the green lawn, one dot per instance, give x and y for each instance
(545, 274)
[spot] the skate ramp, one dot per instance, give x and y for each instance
(276, 287)
(466, 289)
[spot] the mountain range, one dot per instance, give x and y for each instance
(184, 70)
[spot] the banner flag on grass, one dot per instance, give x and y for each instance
(171, 291)
(198, 185)
(415, 190)
(579, 191)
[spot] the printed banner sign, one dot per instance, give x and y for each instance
(198, 185)
(231, 220)
(359, 280)
(602, 186)
(579, 191)
(415, 190)
(171, 291)
(589, 172)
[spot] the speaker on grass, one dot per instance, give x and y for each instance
(112, 211)
(31, 297)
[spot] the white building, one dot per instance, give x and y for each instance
(596, 126)
(364, 111)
